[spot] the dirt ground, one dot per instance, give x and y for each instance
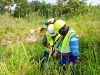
(28, 38)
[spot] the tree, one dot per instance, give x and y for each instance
(59, 1)
(34, 5)
(76, 6)
(9, 4)
(20, 10)
(3, 3)
(45, 8)
(54, 7)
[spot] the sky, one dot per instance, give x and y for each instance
(94, 2)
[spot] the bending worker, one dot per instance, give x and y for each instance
(50, 39)
(68, 47)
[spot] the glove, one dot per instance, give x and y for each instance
(52, 52)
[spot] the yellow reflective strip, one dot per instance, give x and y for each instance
(63, 47)
(69, 41)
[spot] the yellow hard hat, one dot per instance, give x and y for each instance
(58, 25)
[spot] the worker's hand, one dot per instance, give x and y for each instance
(54, 54)
(51, 50)
(48, 45)
(58, 55)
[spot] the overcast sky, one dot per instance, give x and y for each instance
(94, 2)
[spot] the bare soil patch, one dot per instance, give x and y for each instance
(18, 39)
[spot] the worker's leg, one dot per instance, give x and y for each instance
(66, 60)
(44, 58)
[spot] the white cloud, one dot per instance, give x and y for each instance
(13, 8)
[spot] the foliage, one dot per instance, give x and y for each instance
(62, 8)
(21, 9)
(3, 3)
(44, 8)
(35, 5)
(22, 57)
(54, 10)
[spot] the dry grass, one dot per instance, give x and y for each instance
(15, 30)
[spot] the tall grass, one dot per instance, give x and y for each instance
(25, 58)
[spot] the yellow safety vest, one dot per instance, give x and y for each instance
(49, 40)
(65, 48)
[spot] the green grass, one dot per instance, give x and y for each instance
(24, 58)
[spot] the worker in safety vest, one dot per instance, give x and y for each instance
(50, 38)
(68, 49)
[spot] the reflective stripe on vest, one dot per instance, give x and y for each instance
(65, 48)
(49, 40)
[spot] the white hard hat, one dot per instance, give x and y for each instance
(51, 30)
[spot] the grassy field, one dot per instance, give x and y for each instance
(22, 57)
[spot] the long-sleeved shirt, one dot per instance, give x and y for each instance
(73, 44)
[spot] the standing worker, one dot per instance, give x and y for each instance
(68, 47)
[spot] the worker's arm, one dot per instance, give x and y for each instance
(45, 41)
(47, 45)
(67, 54)
(74, 45)
(58, 54)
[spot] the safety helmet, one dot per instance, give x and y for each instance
(51, 30)
(58, 25)
(50, 21)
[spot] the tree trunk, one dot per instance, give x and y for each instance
(61, 12)
(10, 14)
(68, 13)
(1, 11)
(19, 12)
(37, 14)
(32, 13)
(48, 13)
(42, 13)
(56, 16)
(26, 14)
(19, 15)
